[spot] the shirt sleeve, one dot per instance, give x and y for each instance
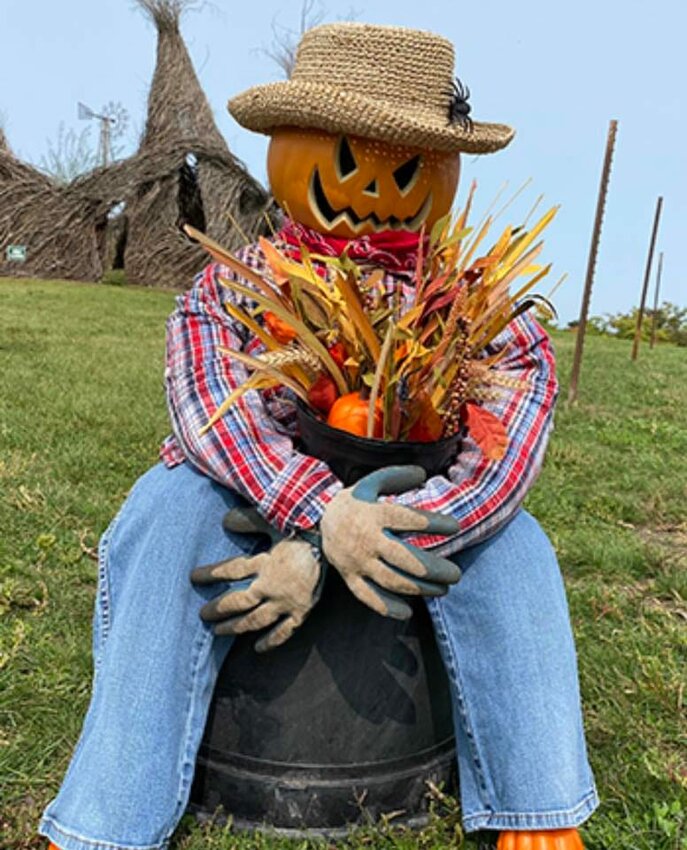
(481, 494)
(245, 450)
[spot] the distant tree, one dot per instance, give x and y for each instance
(596, 325)
(73, 153)
(671, 324)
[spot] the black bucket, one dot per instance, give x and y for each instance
(351, 717)
(351, 457)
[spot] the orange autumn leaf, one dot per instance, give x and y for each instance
(280, 330)
(487, 431)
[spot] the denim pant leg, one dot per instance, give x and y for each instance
(156, 664)
(505, 638)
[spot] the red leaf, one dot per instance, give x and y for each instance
(487, 431)
(441, 300)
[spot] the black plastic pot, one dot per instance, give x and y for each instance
(347, 720)
(351, 457)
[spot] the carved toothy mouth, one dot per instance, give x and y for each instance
(329, 218)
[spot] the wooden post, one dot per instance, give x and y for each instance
(647, 273)
(591, 263)
(658, 287)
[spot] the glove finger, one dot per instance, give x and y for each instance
(436, 568)
(396, 581)
(234, 569)
(279, 634)
(259, 618)
(230, 603)
(391, 479)
(378, 599)
(400, 555)
(403, 518)
(439, 569)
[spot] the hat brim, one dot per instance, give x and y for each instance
(292, 103)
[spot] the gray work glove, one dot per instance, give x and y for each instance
(357, 539)
(286, 584)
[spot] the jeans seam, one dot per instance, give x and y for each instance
(104, 590)
(104, 584)
(107, 845)
(457, 686)
(206, 636)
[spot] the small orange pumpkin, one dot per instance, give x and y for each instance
(550, 839)
(349, 186)
(349, 413)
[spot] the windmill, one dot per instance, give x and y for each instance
(114, 120)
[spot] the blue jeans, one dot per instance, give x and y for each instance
(503, 632)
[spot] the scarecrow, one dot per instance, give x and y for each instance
(364, 157)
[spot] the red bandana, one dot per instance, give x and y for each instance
(394, 250)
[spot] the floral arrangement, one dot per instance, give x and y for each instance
(340, 343)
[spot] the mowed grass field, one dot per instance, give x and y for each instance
(81, 414)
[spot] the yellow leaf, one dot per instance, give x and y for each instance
(240, 315)
(356, 311)
(307, 337)
(218, 253)
(521, 244)
(410, 316)
(268, 341)
(377, 380)
(252, 383)
(271, 371)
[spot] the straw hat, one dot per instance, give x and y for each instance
(388, 83)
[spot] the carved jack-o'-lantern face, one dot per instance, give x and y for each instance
(348, 186)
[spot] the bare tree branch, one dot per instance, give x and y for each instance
(285, 39)
(69, 155)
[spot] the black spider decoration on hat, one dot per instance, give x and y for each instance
(459, 108)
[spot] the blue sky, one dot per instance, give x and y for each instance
(556, 71)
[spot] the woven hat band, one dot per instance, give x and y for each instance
(393, 64)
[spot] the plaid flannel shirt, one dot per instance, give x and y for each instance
(251, 449)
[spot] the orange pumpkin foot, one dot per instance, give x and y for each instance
(550, 839)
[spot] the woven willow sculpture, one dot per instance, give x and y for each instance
(127, 215)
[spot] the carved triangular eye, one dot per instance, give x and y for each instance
(406, 175)
(346, 165)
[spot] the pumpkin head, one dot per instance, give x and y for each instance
(349, 186)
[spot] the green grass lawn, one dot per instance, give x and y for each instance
(81, 414)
